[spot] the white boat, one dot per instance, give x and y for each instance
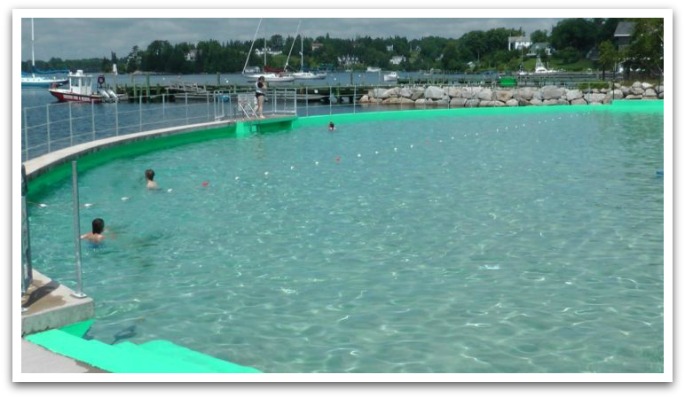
(373, 69)
(302, 75)
(390, 77)
(34, 79)
(271, 77)
(80, 89)
(541, 69)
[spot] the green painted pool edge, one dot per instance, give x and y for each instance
(156, 356)
(616, 107)
(45, 182)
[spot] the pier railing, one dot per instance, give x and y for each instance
(55, 126)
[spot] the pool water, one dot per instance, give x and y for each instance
(517, 243)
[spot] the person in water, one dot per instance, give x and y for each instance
(260, 89)
(96, 233)
(331, 126)
(150, 178)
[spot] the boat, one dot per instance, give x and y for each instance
(271, 77)
(541, 69)
(306, 75)
(390, 77)
(37, 78)
(373, 69)
(80, 89)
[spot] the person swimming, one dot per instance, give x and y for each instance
(96, 234)
(150, 178)
(331, 126)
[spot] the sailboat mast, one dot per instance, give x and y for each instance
(252, 45)
(33, 55)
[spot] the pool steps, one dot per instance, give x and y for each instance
(156, 356)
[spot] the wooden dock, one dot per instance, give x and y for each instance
(345, 92)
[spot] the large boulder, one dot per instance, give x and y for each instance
(552, 92)
(434, 92)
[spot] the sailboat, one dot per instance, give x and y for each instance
(302, 75)
(271, 77)
(33, 79)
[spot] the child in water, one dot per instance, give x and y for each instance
(95, 236)
(150, 178)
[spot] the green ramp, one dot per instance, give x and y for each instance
(157, 356)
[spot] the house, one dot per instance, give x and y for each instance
(348, 60)
(623, 33)
(397, 59)
(519, 42)
(316, 45)
(535, 48)
(191, 56)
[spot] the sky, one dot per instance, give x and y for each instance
(104, 35)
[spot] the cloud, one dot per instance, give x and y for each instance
(87, 37)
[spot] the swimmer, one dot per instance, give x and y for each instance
(150, 178)
(95, 236)
(331, 126)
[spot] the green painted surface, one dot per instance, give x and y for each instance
(157, 356)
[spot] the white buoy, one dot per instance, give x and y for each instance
(124, 198)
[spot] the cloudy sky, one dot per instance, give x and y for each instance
(76, 34)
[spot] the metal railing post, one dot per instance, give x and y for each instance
(116, 118)
(92, 117)
(140, 113)
(47, 124)
(26, 267)
(26, 135)
(354, 100)
(77, 231)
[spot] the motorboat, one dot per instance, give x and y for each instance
(80, 89)
(541, 69)
(390, 77)
(373, 69)
(308, 75)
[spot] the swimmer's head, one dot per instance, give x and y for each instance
(150, 174)
(98, 225)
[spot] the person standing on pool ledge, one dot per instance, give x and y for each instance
(260, 88)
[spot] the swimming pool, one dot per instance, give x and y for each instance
(517, 242)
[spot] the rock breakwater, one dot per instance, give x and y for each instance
(477, 96)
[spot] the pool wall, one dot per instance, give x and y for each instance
(42, 179)
(413, 114)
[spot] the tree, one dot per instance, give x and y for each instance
(578, 33)
(608, 56)
(539, 36)
(646, 50)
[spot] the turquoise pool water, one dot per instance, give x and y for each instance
(517, 243)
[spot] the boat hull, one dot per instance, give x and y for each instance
(66, 96)
(41, 82)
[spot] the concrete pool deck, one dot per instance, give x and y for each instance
(50, 305)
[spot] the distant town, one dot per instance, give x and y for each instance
(600, 44)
